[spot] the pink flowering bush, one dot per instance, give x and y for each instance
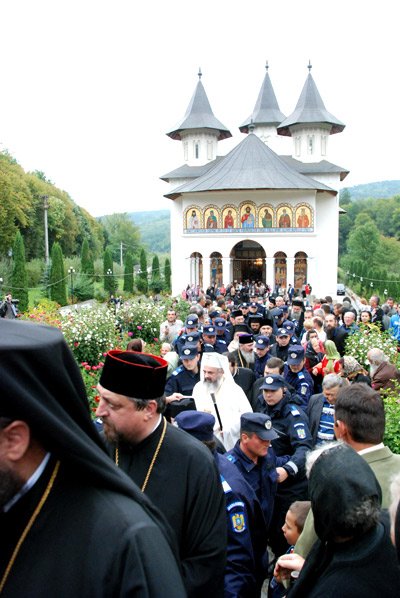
(141, 320)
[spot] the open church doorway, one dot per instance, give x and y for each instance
(248, 261)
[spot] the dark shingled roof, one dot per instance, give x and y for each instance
(199, 116)
(310, 168)
(266, 111)
(250, 165)
(310, 109)
(190, 172)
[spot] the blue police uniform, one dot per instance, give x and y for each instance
(261, 476)
(302, 383)
(184, 339)
(181, 380)
(259, 364)
(247, 561)
(294, 441)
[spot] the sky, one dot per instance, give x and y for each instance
(89, 88)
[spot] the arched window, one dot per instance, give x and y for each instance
(300, 270)
(280, 270)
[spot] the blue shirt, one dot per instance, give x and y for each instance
(326, 424)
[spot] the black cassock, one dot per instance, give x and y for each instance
(185, 486)
(85, 542)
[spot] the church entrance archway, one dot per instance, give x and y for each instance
(248, 261)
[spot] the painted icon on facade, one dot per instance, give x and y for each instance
(211, 218)
(284, 218)
(266, 218)
(193, 218)
(229, 218)
(303, 217)
(247, 218)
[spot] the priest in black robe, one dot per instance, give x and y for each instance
(71, 523)
(173, 469)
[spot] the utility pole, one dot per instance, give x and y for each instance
(120, 254)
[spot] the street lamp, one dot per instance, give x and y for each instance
(46, 228)
(1, 285)
(71, 272)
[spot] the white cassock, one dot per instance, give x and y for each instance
(231, 402)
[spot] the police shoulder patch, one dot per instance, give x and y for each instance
(231, 458)
(304, 389)
(301, 433)
(300, 376)
(178, 370)
(238, 523)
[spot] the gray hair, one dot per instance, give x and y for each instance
(331, 381)
(395, 499)
(377, 356)
(142, 403)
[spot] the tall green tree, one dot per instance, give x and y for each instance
(19, 275)
(155, 275)
(364, 241)
(167, 275)
(109, 279)
(142, 281)
(87, 264)
(128, 273)
(58, 291)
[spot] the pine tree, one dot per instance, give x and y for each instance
(142, 282)
(109, 279)
(128, 273)
(87, 265)
(58, 292)
(19, 276)
(167, 275)
(155, 275)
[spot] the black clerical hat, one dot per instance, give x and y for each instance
(138, 375)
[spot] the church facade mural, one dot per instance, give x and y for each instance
(262, 219)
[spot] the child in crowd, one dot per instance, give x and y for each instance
(292, 528)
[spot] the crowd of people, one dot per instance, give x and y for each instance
(247, 458)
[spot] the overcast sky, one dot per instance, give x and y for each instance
(88, 88)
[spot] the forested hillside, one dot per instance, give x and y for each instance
(154, 229)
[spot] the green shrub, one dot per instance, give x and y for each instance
(391, 399)
(34, 271)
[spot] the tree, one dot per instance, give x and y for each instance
(128, 273)
(87, 264)
(155, 275)
(58, 291)
(19, 276)
(109, 279)
(167, 275)
(364, 241)
(120, 229)
(142, 282)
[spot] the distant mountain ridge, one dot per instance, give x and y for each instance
(377, 190)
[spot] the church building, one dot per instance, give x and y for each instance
(254, 214)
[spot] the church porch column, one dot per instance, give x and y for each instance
(289, 271)
(226, 271)
(206, 272)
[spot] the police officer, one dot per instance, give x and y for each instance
(254, 459)
(190, 329)
(254, 322)
(281, 347)
(290, 328)
(182, 380)
(222, 333)
(247, 535)
(293, 442)
(297, 376)
(261, 348)
(211, 341)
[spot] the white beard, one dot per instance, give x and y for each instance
(248, 357)
(212, 387)
(372, 369)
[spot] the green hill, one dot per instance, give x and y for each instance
(154, 229)
(378, 190)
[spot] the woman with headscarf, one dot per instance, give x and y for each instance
(330, 363)
(353, 371)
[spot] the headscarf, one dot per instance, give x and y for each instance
(331, 354)
(351, 365)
